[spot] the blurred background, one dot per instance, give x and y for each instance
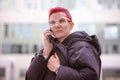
(22, 23)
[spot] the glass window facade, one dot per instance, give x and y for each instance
(28, 38)
(106, 33)
(22, 38)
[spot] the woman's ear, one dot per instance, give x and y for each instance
(71, 25)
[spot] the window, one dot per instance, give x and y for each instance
(29, 30)
(89, 28)
(110, 32)
(7, 4)
(31, 4)
(6, 30)
(67, 3)
(26, 48)
(46, 4)
(43, 27)
(5, 48)
(12, 30)
(115, 48)
(20, 30)
(104, 48)
(106, 4)
(16, 48)
(35, 48)
(82, 4)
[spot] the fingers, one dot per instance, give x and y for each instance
(47, 33)
(53, 63)
(56, 56)
(48, 46)
(52, 57)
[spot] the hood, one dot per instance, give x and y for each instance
(83, 36)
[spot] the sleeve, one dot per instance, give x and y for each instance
(37, 67)
(82, 65)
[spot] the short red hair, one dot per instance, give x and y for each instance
(60, 9)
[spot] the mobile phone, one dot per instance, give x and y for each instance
(51, 37)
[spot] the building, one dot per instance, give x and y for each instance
(22, 23)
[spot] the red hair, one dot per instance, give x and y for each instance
(60, 9)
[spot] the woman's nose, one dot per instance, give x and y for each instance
(57, 24)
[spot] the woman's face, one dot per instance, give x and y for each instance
(60, 25)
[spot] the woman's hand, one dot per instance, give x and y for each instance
(47, 45)
(53, 63)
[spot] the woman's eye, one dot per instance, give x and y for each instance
(62, 20)
(52, 22)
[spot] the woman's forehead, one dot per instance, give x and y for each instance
(57, 15)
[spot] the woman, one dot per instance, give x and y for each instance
(67, 56)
